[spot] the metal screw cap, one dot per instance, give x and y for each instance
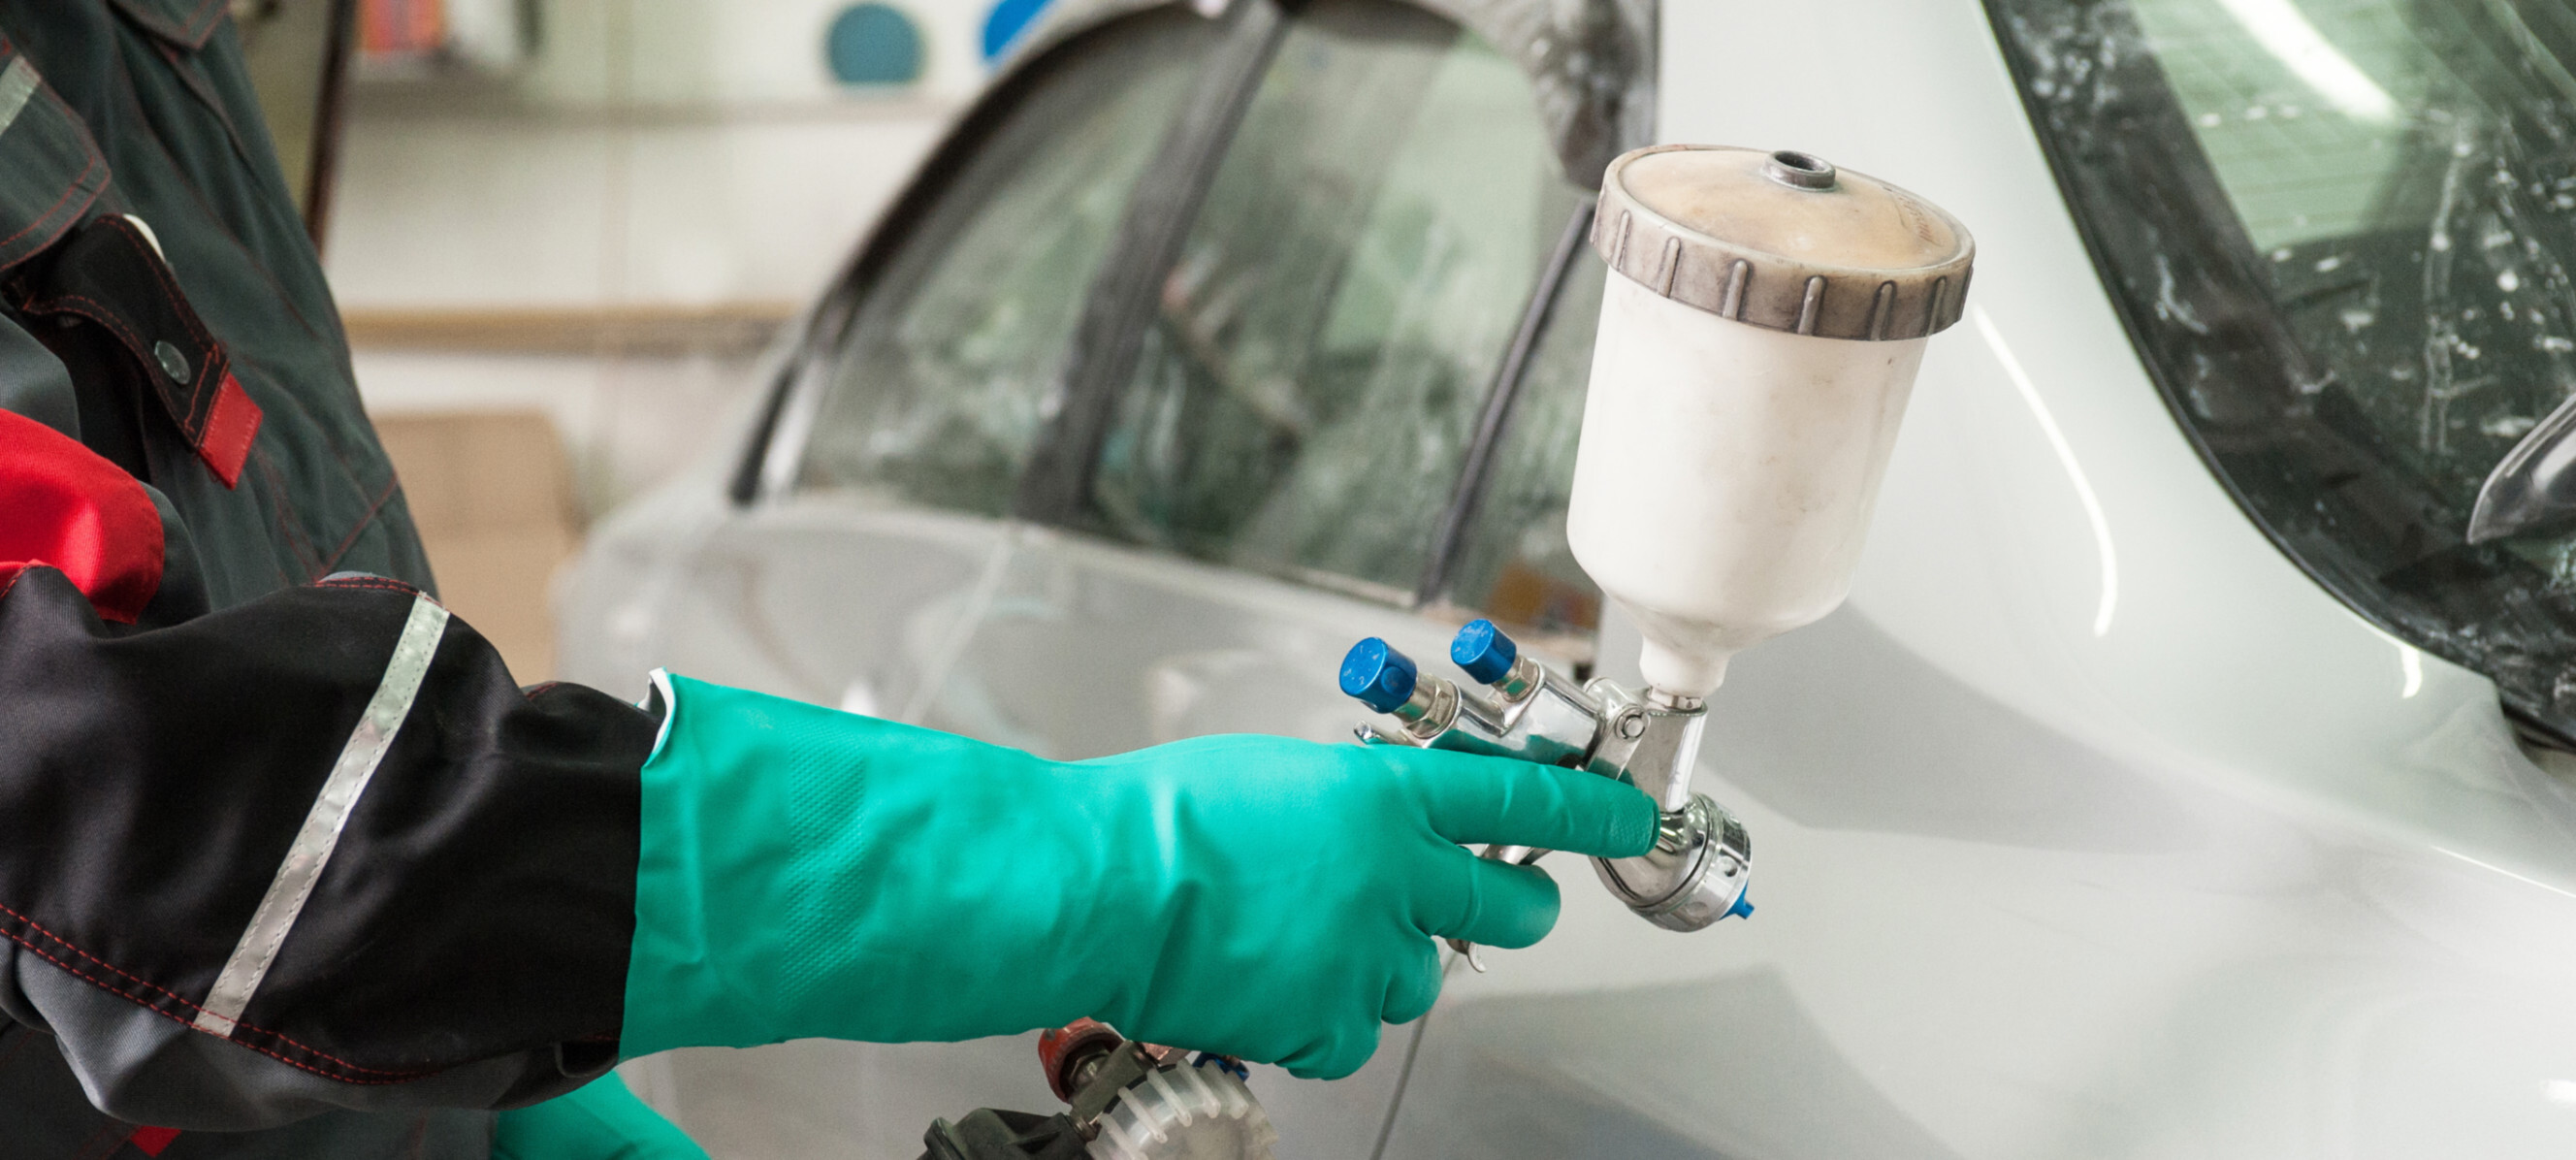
(173, 363)
(1799, 170)
(1783, 240)
(1379, 676)
(1483, 650)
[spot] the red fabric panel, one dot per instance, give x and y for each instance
(64, 507)
(150, 1141)
(230, 424)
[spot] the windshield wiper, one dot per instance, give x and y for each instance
(2534, 485)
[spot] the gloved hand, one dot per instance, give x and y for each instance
(806, 872)
(600, 1120)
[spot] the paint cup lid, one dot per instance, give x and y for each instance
(1783, 240)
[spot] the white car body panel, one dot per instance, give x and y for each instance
(2090, 827)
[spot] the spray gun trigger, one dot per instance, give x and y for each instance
(1515, 855)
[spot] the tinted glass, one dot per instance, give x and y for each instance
(2341, 231)
(952, 358)
(1333, 323)
(1513, 564)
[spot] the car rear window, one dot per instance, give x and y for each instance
(940, 384)
(1514, 563)
(1329, 333)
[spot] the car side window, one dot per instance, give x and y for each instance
(943, 378)
(1513, 564)
(1309, 385)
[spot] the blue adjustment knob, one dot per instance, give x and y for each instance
(1379, 676)
(1743, 907)
(1484, 651)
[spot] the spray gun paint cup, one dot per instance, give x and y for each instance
(1756, 348)
(1755, 351)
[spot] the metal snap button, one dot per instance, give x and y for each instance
(173, 363)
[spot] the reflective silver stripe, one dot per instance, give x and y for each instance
(16, 85)
(331, 809)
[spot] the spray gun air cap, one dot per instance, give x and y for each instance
(1379, 676)
(1484, 651)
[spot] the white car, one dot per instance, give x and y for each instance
(2177, 781)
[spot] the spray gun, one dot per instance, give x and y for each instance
(1754, 356)
(1702, 861)
(1756, 347)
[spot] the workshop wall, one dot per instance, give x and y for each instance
(601, 211)
(655, 151)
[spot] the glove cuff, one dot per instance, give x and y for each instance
(803, 872)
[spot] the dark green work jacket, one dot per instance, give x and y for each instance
(289, 866)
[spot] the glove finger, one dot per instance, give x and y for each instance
(1334, 1058)
(1415, 987)
(1493, 903)
(1473, 799)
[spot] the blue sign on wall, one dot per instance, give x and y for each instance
(1004, 24)
(873, 44)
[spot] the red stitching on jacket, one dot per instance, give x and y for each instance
(211, 353)
(278, 512)
(100, 313)
(102, 984)
(365, 521)
(193, 34)
(208, 15)
(193, 422)
(160, 267)
(185, 67)
(111, 989)
(339, 454)
(92, 164)
(378, 585)
(290, 522)
(182, 1000)
(212, 349)
(198, 196)
(104, 316)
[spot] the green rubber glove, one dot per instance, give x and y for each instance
(811, 873)
(598, 1121)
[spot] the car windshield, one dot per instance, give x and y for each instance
(2340, 232)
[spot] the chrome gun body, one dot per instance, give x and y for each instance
(1702, 860)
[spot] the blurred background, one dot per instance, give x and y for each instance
(562, 232)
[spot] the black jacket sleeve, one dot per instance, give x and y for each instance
(315, 851)
(274, 841)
